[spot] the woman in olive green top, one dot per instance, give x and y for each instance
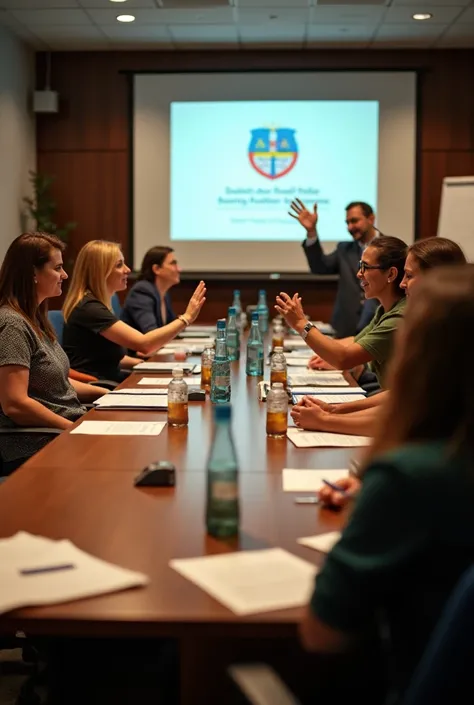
(411, 535)
(380, 274)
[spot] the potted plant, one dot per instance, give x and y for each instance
(41, 207)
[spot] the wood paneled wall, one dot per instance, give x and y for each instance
(86, 145)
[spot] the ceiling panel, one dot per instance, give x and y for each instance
(403, 14)
(457, 36)
(338, 33)
(35, 18)
(205, 33)
(136, 31)
(119, 6)
(467, 16)
(273, 4)
(407, 36)
(276, 15)
(347, 14)
(51, 32)
(415, 4)
(286, 33)
(38, 4)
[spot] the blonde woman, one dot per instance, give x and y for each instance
(95, 340)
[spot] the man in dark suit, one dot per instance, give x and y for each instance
(351, 311)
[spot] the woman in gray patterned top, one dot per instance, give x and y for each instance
(34, 385)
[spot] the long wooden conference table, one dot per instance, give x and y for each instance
(81, 488)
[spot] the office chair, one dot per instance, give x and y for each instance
(117, 308)
(56, 319)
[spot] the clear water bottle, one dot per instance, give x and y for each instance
(207, 357)
(222, 510)
(232, 336)
(236, 303)
(220, 370)
(262, 309)
(277, 411)
(178, 400)
(278, 367)
(278, 336)
(254, 365)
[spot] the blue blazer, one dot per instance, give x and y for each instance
(142, 308)
(351, 311)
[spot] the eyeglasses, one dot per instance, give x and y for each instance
(363, 266)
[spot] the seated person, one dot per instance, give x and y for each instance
(380, 274)
(358, 417)
(411, 534)
(34, 385)
(148, 304)
(95, 340)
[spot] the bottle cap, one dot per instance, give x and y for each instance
(221, 324)
(232, 311)
(277, 385)
(222, 412)
(278, 349)
(178, 373)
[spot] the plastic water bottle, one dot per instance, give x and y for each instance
(232, 336)
(222, 510)
(220, 371)
(178, 400)
(278, 367)
(277, 411)
(237, 304)
(262, 310)
(254, 364)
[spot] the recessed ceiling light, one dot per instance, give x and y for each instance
(422, 16)
(126, 18)
(118, 0)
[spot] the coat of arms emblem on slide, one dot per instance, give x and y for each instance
(273, 151)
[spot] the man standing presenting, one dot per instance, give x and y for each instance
(351, 311)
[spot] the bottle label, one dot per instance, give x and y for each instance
(222, 381)
(255, 353)
(225, 491)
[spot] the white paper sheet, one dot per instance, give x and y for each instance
(90, 576)
(309, 480)
(162, 366)
(317, 439)
(321, 379)
(154, 402)
(294, 343)
(333, 398)
(159, 382)
(186, 342)
(299, 390)
(141, 392)
(322, 543)
(251, 581)
(120, 428)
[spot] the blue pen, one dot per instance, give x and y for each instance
(47, 569)
(335, 487)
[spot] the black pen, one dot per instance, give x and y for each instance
(47, 569)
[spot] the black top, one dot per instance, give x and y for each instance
(142, 309)
(87, 349)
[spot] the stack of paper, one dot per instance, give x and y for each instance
(149, 402)
(294, 343)
(163, 366)
(329, 398)
(251, 581)
(309, 480)
(120, 428)
(158, 382)
(318, 439)
(323, 542)
(197, 331)
(38, 571)
(317, 378)
(353, 392)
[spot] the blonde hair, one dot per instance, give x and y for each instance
(94, 263)
(426, 402)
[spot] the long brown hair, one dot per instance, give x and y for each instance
(94, 263)
(435, 251)
(155, 255)
(26, 253)
(426, 402)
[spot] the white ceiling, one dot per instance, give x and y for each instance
(245, 24)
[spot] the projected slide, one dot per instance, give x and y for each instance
(236, 166)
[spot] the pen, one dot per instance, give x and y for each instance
(334, 487)
(47, 569)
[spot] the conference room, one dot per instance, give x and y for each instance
(284, 192)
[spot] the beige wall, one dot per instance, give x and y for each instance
(17, 133)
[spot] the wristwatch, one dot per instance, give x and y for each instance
(306, 329)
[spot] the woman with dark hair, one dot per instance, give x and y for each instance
(380, 274)
(411, 534)
(34, 385)
(148, 304)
